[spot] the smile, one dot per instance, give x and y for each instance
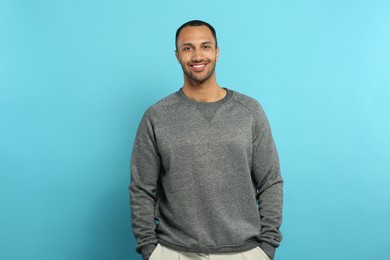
(197, 67)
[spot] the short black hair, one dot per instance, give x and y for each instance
(196, 23)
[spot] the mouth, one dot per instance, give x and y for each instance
(198, 66)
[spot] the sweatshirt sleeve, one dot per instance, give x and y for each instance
(269, 183)
(145, 168)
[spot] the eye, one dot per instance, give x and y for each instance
(206, 46)
(186, 48)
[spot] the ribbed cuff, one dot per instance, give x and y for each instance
(268, 249)
(147, 251)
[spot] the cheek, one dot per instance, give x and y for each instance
(179, 59)
(216, 54)
(183, 58)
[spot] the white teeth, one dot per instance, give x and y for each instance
(198, 66)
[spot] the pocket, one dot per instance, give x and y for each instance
(262, 253)
(154, 255)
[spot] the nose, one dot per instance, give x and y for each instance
(197, 54)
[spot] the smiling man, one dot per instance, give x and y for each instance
(205, 176)
(197, 52)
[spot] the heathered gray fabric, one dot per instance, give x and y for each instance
(205, 186)
(208, 109)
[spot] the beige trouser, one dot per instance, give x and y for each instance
(164, 253)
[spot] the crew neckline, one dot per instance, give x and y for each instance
(186, 99)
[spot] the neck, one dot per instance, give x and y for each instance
(208, 91)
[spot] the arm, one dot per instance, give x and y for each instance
(145, 168)
(269, 184)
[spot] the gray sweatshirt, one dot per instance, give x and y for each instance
(205, 177)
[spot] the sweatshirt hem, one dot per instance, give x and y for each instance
(248, 245)
(268, 249)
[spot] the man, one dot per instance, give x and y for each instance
(205, 178)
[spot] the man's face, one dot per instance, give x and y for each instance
(197, 53)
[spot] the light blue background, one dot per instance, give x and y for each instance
(76, 77)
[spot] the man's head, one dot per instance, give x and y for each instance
(197, 23)
(197, 51)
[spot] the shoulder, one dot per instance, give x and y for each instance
(254, 107)
(162, 106)
(249, 103)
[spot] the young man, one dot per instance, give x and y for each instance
(205, 177)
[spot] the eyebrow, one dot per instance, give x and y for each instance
(190, 44)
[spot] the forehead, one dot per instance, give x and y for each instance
(195, 34)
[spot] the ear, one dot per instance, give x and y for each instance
(216, 53)
(177, 55)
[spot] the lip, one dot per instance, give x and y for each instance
(198, 66)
